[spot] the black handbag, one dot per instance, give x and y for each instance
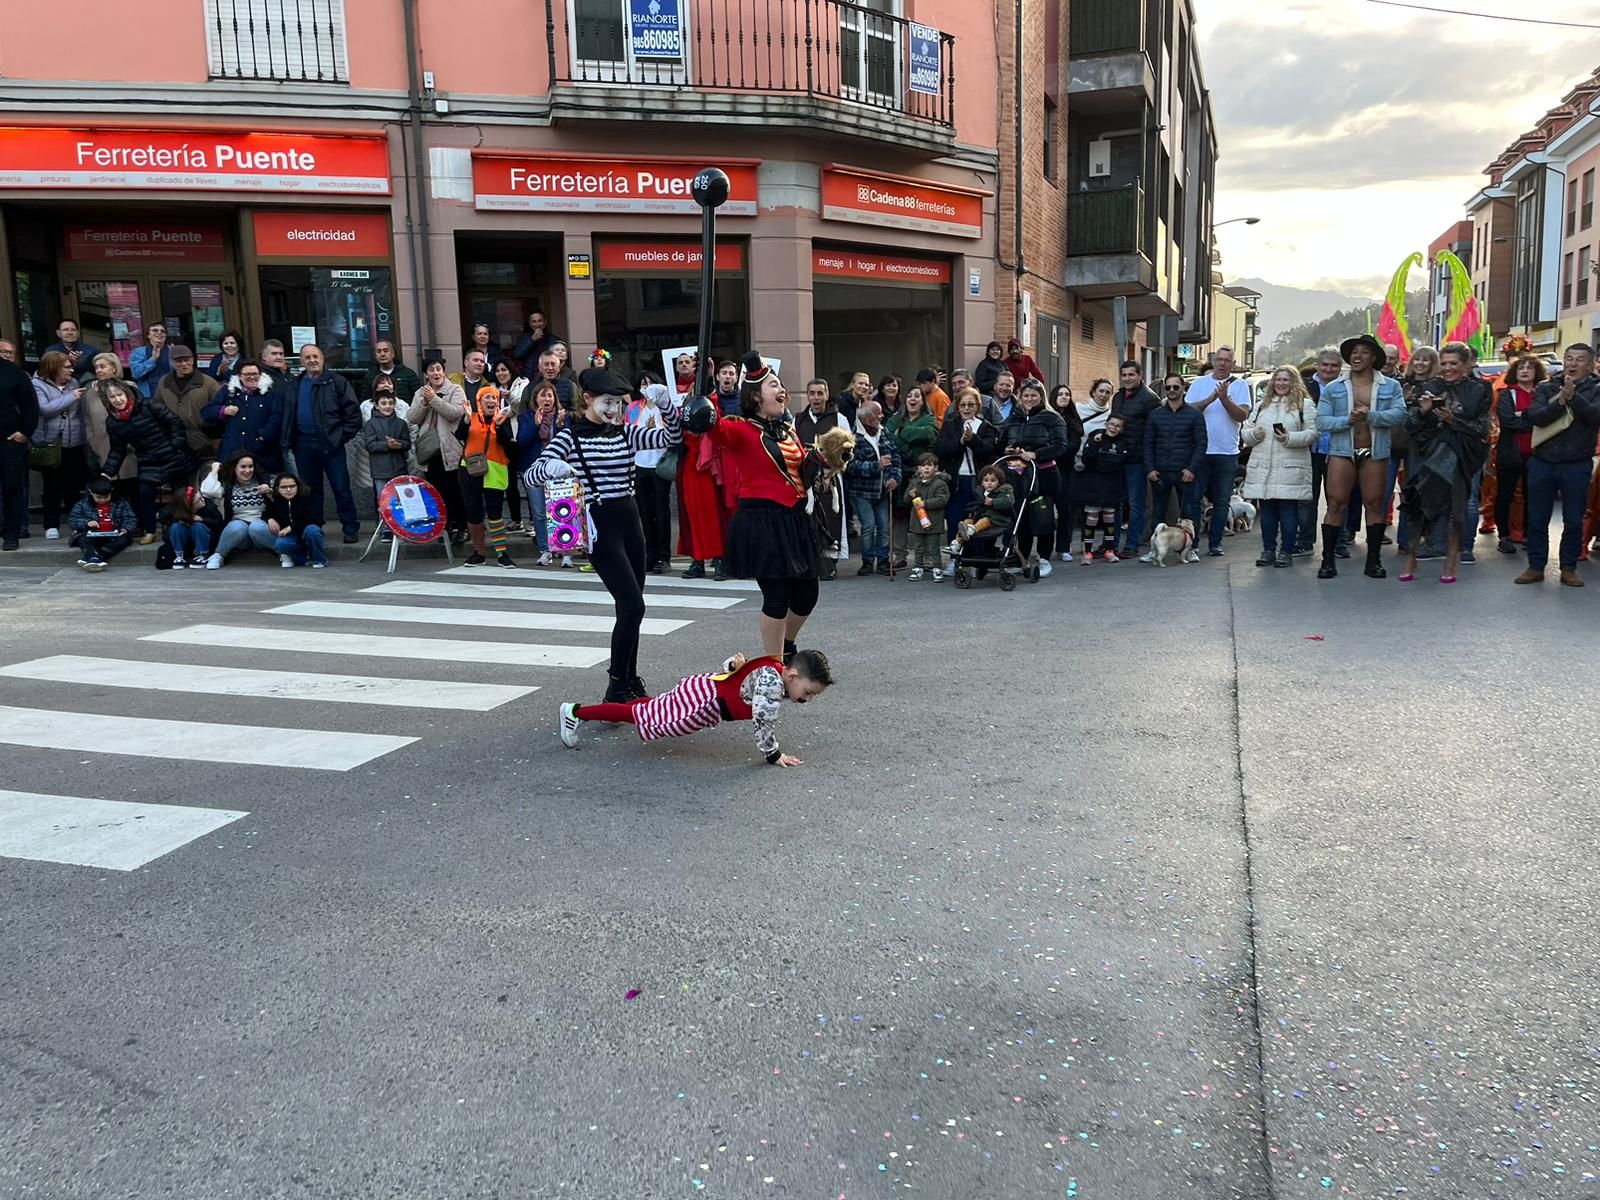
(44, 456)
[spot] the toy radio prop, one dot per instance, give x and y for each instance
(566, 516)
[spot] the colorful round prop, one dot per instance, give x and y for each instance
(411, 509)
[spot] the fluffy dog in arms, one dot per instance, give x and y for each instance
(1171, 539)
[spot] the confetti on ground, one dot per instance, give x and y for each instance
(632, 994)
(1315, 637)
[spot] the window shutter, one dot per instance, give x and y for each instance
(302, 41)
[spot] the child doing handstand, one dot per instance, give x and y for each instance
(993, 503)
(745, 690)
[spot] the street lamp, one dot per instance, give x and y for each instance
(1235, 221)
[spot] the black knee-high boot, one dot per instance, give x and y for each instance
(1375, 552)
(1330, 540)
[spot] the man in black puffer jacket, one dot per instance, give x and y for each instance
(1174, 455)
(1561, 462)
(1134, 402)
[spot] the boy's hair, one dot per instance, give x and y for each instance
(100, 485)
(992, 470)
(928, 460)
(813, 664)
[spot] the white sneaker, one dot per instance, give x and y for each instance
(916, 573)
(214, 563)
(1045, 568)
(938, 574)
(1149, 556)
(285, 561)
(566, 560)
(1066, 556)
(51, 535)
(954, 547)
(545, 560)
(569, 726)
(1192, 556)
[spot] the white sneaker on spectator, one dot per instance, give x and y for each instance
(916, 573)
(1192, 556)
(545, 560)
(179, 562)
(1045, 568)
(51, 535)
(1066, 556)
(214, 563)
(566, 560)
(285, 561)
(954, 547)
(937, 573)
(197, 564)
(1149, 556)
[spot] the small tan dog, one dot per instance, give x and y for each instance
(1171, 539)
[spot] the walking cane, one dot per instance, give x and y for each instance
(710, 191)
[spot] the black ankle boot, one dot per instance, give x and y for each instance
(1375, 552)
(619, 690)
(1330, 541)
(637, 689)
(788, 652)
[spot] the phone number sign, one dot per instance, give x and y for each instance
(655, 29)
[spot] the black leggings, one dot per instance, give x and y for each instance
(1505, 493)
(780, 597)
(1048, 487)
(618, 558)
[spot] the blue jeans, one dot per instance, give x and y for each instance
(538, 518)
(1546, 481)
(1469, 528)
(1402, 529)
(960, 502)
(303, 544)
(189, 541)
(238, 533)
(312, 462)
(1138, 486)
(1217, 486)
(1278, 517)
(873, 513)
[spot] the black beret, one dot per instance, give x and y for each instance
(603, 381)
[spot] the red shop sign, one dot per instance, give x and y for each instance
(869, 198)
(321, 235)
(144, 243)
(665, 258)
(569, 183)
(193, 160)
(881, 268)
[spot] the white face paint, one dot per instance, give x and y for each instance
(607, 410)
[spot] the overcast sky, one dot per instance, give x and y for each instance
(1357, 131)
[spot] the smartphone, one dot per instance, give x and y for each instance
(1277, 427)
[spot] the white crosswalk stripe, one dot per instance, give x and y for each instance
(271, 685)
(195, 741)
(112, 834)
(464, 618)
(382, 645)
(540, 595)
(651, 582)
(492, 618)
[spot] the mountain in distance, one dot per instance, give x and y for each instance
(1282, 308)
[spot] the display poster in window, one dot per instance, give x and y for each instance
(122, 306)
(655, 30)
(205, 311)
(924, 73)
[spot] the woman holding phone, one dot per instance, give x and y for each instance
(1280, 431)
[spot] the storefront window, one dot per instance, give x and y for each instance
(196, 309)
(109, 315)
(647, 299)
(880, 314)
(345, 310)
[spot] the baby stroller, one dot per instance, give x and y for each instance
(991, 550)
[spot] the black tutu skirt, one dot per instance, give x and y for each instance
(768, 540)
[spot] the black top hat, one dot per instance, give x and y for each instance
(755, 369)
(1379, 354)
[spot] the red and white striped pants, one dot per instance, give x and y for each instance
(687, 708)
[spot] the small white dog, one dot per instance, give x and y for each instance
(1171, 539)
(1241, 514)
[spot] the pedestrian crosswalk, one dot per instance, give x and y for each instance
(253, 682)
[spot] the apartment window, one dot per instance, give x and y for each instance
(1583, 276)
(1586, 214)
(1050, 139)
(1566, 282)
(299, 41)
(1572, 207)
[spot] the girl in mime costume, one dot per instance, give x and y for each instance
(599, 449)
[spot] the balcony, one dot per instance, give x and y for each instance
(1110, 70)
(1110, 252)
(778, 64)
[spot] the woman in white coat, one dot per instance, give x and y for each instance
(1280, 432)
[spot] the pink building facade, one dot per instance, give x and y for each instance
(316, 180)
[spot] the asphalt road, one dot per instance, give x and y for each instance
(1206, 881)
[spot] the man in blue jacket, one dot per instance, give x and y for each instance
(1174, 457)
(320, 417)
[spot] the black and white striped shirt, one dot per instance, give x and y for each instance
(608, 456)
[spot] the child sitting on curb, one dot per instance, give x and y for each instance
(102, 527)
(292, 522)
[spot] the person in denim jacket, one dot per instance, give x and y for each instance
(1359, 411)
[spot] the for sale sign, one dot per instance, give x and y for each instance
(924, 59)
(655, 29)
